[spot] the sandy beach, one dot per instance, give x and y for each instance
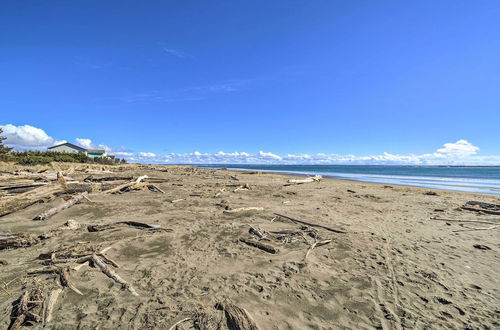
(370, 256)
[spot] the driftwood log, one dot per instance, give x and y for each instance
(64, 205)
(244, 209)
(21, 201)
(135, 224)
(315, 178)
(264, 247)
(49, 305)
(311, 224)
(111, 274)
(18, 240)
(237, 318)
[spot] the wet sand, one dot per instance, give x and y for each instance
(394, 268)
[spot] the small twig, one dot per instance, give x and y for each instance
(474, 229)
(181, 321)
(456, 220)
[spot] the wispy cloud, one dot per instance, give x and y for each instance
(176, 53)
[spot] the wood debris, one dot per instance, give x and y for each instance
(50, 212)
(237, 318)
(244, 209)
(311, 224)
(262, 246)
(316, 178)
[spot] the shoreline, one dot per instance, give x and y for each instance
(486, 190)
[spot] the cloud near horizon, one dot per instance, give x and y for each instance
(461, 152)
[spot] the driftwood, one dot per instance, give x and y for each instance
(19, 311)
(264, 247)
(457, 220)
(484, 205)
(50, 303)
(204, 321)
(256, 232)
(244, 209)
(60, 207)
(316, 244)
(480, 210)
(66, 281)
(135, 224)
(97, 261)
(311, 224)
(242, 187)
(179, 322)
(237, 318)
(18, 240)
(22, 308)
(315, 178)
(126, 186)
(217, 194)
(475, 229)
(21, 201)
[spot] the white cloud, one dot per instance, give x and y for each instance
(461, 152)
(269, 155)
(147, 154)
(460, 148)
(26, 136)
(86, 143)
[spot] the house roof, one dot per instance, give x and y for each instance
(71, 145)
(96, 151)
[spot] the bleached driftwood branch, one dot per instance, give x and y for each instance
(315, 178)
(60, 207)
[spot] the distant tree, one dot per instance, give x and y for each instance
(3, 149)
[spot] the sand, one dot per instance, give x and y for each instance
(393, 269)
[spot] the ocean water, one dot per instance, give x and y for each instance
(470, 179)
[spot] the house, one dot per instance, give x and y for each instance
(70, 147)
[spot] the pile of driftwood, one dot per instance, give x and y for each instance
(482, 207)
(235, 317)
(39, 297)
(267, 241)
(472, 224)
(36, 192)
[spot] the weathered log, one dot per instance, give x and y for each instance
(66, 281)
(19, 310)
(111, 274)
(60, 207)
(264, 247)
(459, 220)
(311, 224)
(484, 205)
(50, 304)
(21, 201)
(256, 232)
(480, 210)
(237, 318)
(244, 209)
(315, 178)
(135, 224)
(18, 240)
(125, 186)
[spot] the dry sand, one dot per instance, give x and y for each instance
(393, 269)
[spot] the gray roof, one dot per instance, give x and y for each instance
(96, 151)
(71, 145)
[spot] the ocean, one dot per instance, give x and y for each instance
(470, 179)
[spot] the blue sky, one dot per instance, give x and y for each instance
(282, 77)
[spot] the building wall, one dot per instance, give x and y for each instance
(95, 155)
(63, 149)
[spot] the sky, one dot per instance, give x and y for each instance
(410, 82)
